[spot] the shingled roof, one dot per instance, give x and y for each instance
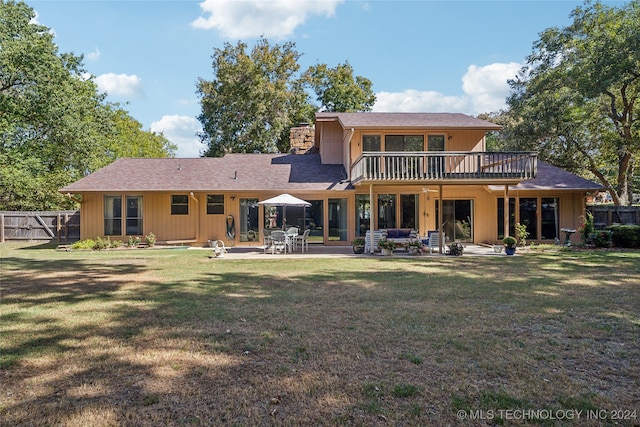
(407, 120)
(233, 172)
(550, 177)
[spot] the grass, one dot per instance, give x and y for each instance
(168, 337)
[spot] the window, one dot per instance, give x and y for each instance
(363, 210)
(435, 142)
(180, 205)
(404, 143)
(386, 211)
(370, 142)
(550, 222)
(134, 215)
(249, 215)
(528, 215)
(112, 215)
(408, 210)
(457, 219)
(215, 204)
(337, 219)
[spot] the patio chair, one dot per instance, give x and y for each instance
(292, 233)
(278, 241)
(377, 236)
(266, 239)
(434, 241)
(303, 240)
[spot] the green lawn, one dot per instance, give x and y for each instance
(171, 337)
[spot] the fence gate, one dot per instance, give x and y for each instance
(61, 226)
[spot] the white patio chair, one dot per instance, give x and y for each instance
(303, 240)
(278, 241)
(434, 241)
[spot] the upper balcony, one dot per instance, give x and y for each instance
(444, 167)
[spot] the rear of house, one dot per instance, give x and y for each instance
(359, 171)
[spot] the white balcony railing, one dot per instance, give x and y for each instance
(444, 166)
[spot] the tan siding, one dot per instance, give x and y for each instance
(331, 147)
(92, 216)
(485, 206)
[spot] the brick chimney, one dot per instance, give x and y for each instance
(302, 138)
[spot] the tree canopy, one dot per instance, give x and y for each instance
(255, 97)
(338, 90)
(55, 127)
(575, 102)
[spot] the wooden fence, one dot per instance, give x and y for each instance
(604, 215)
(60, 226)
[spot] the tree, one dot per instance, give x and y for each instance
(256, 97)
(252, 100)
(576, 99)
(55, 127)
(338, 90)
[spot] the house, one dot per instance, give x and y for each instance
(359, 171)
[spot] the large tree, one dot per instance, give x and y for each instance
(255, 97)
(338, 90)
(252, 99)
(55, 126)
(576, 100)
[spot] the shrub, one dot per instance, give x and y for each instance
(522, 234)
(456, 248)
(509, 241)
(150, 239)
(133, 241)
(358, 241)
(101, 243)
(587, 226)
(602, 239)
(625, 236)
(387, 244)
(84, 244)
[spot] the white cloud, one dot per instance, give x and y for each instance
(93, 56)
(181, 130)
(415, 101)
(254, 18)
(485, 90)
(487, 86)
(120, 84)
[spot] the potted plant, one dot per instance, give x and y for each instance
(509, 245)
(358, 245)
(415, 247)
(387, 246)
(456, 248)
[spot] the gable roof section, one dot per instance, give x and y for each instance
(233, 172)
(407, 121)
(550, 177)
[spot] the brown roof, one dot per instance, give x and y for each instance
(233, 172)
(407, 120)
(550, 177)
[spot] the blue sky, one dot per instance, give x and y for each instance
(427, 56)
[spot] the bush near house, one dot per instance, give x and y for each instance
(625, 236)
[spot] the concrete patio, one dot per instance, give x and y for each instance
(322, 251)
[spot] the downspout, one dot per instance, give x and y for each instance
(198, 216)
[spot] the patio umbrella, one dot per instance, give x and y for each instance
(285, 200)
